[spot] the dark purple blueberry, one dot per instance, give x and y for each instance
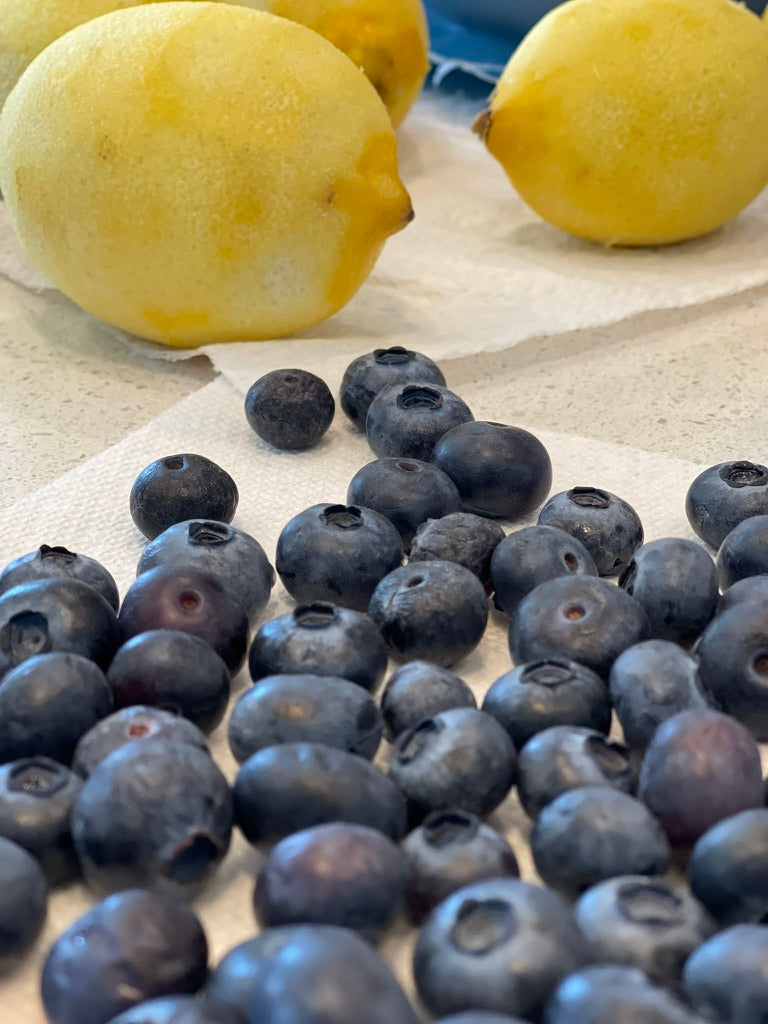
(733, 664)
(189, 600)
(177, 1010)
(675, 580)
(536, 695)
(181, 487)
(305, 708)
(405, 421)
(460, 537)
(63, 615)
(131, 947)
(321, 639)
(567, 757)
(36, 800)
(451, 849)
(723, 496)
(236, 559)
(607, 526)
(152, 812)
(431, 611)
(337, 553)
(614, 995)
(368, 374)
(700, 767)
(728, 868)
(23, 902)
(751, 588)
(531, 556)
(407, 491)
(578, 618)
(501, 471)
(290, 409)
(339, 873)
(460, 758)
(130, 725)
(744, 551)
(285, 788)
(501, 945)
(48, 562)
(650, 682)
(419, 689)
(648, 923)
(47, 703)
(169, 669)
(592, 833)
(726, 978)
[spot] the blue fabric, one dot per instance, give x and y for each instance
(460, 54)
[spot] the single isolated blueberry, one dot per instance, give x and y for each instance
(604, 993)
(365, 377)
(23, 903)
(501, 471)
(57, 562)
(728, 868)
(726, 978)
(420, 689)
(744, 551)
(723, 496)
(180, 487)
(407, 420)
(607, 526)
(337, 553)
(460, 537)
(290, 409)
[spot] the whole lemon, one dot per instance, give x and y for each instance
(635, 122)
(198, 172)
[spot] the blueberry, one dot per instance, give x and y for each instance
(728, 868)
(417, 690)
(592, 833)
(566, 757)
(480, 1017)
(152, 812)
(607, 526)
(321, 639)
(180, 487)
(56, 615)
(451, 849)
(726, 978)
(284, 788)
(433, 611)
(500, 945)
(536, 695)
(36, 800)
(189, 600)
(675, 580)
(48, 562)
(241, 971)
(235, 558)
(23, 902)
(650, 682)
(744, 551)
(751, 588)
(531, 556)
(407, 420)
(311, 708)
(173, 670)
(407, 491)
(177, 1010)
(578, 618)
(368, 374)
(129, 725)
(460, 537)
(643, 922)
(337, 553)
(460, 758)
(47, 703)
(500, 471)
(339, 873)
(619, 995)
(129, 948)
(723, 496)
(700, 767)
(290, 409)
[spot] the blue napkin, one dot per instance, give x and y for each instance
(466, 58)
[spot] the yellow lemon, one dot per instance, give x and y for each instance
(388, 39)
(635, 122)
(197, 172)
(28, 26)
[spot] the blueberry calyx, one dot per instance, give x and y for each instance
(207, 533)
(24, 635)
(342, 517)
(192, 859)
(611, 758)
(408, 467)
(56, 554)
(654, 904)
(419, 396)
(37, 776)
(318, 615)
(443, 828)
(589, 497)
(482, 925)
(744, 474)
(392, 356)
(547, 673)
(415, 741)
(174, 462)
(760, 663)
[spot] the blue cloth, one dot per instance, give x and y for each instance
(460, 55)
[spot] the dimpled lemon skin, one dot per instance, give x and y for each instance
(388, 39)
(196, 172)
(635, 122)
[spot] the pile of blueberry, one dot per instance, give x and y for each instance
(653, 852)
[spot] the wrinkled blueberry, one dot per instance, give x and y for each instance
(726, 978)
(460, 537)
(406, 420)
(744, 551)
(607, 526)
(723, 496)
(619, 995)
(728, 868)
(180, 487)
(290, 409)
(48, 562)
(368, 374)
(23, 902)
(419, 689)
(751, 588)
